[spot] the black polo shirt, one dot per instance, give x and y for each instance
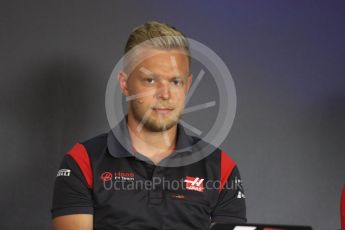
(125, 190)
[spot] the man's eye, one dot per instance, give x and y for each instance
(149, 80)
(177, 82)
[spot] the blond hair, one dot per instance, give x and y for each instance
(158, 35)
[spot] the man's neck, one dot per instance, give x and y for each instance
(154, 145)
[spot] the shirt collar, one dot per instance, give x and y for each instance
(119, 142)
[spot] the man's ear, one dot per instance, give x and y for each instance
(122, 78)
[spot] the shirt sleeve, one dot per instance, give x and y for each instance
(71, 192)
(231, 207)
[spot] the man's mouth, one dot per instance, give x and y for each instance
(162, 110)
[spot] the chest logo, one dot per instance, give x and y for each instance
(106, 176)
(194, 183)
(124, 176)
(117, 176)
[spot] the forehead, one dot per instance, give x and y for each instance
(162, 62)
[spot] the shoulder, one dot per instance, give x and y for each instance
(89, 149)
(85, 153)
(218, 161)
(95, 144)
(213, 154)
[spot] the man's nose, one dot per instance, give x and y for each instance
(163, 91)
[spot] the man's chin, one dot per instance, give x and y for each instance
(154, 127)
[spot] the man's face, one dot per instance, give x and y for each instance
(157, 88)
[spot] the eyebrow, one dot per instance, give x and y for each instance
(148, 73)
(155, 76)
(145, 71)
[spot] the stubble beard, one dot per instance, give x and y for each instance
(154, 123)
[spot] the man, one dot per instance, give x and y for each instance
(93, 186)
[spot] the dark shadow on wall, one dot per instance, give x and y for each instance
(43, 113)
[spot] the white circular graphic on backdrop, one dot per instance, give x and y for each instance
(226, 106)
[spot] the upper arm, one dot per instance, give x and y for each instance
(230, 207)
(72, 190)
(73, 222)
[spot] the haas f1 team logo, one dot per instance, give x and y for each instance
(106, 176)
(118, 176)
(194, 183)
